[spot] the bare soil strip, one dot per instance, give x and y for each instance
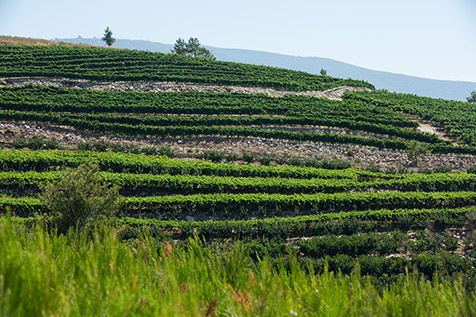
(433, 128)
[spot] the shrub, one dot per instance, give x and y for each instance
(51, 144)
(35, 143)
(101, 146)
(212, 155)
(85, 146)
(391, 170)
(471, 169)
(282, 160)
(415, 150)
(441, 169)
(231, 157)
(20, 143)
(149, 150)
(166, 150)
(249, 157)
(79, 200)
(373, 168)
(402, 169)
(265, 160)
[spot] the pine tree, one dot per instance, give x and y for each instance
(472, 99)
(180, 47)
(191, 48)
(108, 39)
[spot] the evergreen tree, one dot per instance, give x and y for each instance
(107, 38)
(472, 98)
(191, 48)
(180, 47)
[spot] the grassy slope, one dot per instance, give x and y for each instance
(26, 41)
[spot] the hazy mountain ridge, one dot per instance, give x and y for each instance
(446, 89)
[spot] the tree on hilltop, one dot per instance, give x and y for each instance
(472, 98)
(107, 38)
(191, 48)
(180, 47)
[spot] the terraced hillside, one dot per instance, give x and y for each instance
(326, 212)
(391, 223)
(110, 64)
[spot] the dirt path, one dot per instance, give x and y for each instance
(426, 127)
(334, 94)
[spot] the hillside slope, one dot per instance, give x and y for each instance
(96, 63)
(452, 90)
(266, 170)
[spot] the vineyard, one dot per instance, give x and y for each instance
(326, 216)
(456, 118)
(99, 64)
(162, 115)
(320, 215)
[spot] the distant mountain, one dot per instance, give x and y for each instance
(446, 89)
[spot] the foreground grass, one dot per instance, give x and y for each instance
(47, 274)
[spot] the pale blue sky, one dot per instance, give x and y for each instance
(427, 38)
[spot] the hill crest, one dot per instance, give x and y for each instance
(444, 89)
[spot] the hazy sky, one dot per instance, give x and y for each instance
(428, 38)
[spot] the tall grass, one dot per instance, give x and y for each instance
(76, 274)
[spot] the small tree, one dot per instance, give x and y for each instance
(202, 52)
(323, 72)
(180, 47)
(107, 38)
(192, 48)
(79, 199)
(415, 150)
(472, 98)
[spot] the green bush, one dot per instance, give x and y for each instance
(20, 143)
(35, 143)
(100, 146)
(213, 155)
(249, 157)
(79, 200)
(441, 169)
(231, 157)
(149, 150)
(265, 160)
(373, 168)
(51, 144)
(166, 150)
(85, 146)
